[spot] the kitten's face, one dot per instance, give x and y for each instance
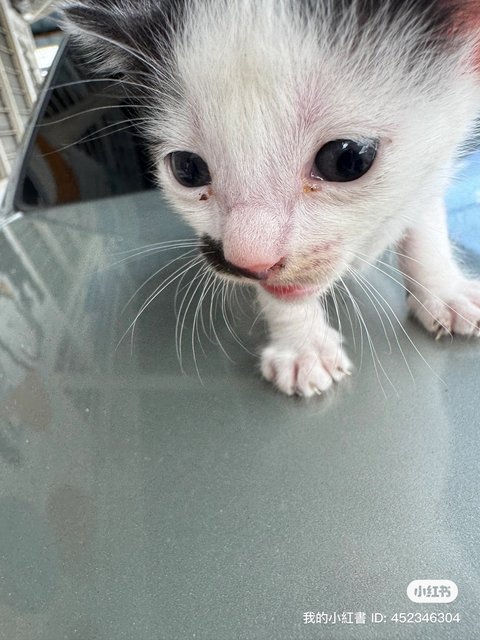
(277, 193)
(293, 171)
(293, 137)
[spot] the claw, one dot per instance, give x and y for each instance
(441, 332)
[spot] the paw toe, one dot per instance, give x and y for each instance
(305, 372)
(455, 313)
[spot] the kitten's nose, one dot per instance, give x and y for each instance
(258, 271)
(254, 240)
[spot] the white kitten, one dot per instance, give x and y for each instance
(300, 139)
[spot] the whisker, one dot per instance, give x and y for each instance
(205, 279)
(357, 312)
(168, 244)
(256, 319)
(91, 137)
(182, 320)
(422, 286)
(370, 288)
(227, 321)
(140, 254)
(356, 276)
(180, 289)
(77, 114)
(210, 278)
(218, 284)
(375, 357)
(345, 305)
(179, 273)
(176, 274)
(150, 278)
(404, 331)
(209, 286)
(113, 82)
(402, 284)
(404, 255)
(340, 328)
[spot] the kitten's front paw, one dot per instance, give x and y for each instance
(309, 369)
(455, 312)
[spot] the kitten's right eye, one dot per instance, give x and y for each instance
(189, 169)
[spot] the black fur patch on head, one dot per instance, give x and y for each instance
(433, 19)
(129, 32)
(134, 34)
(435, 16)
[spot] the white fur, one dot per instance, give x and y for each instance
(258, 92)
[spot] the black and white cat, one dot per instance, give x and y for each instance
(300, 139)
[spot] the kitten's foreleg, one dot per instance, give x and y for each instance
(304, 355)
(442, 298)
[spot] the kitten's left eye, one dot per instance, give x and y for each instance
(189, 169)
(344, 160)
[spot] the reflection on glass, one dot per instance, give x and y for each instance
(84, 145)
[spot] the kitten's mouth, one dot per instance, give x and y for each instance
(212, 251)
(290, 292)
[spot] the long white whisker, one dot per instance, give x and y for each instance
(214, 304)
(204, 281)
(410, 292)
(145, 252)
(373, 351)
(167, 244)
(91, 137)
(208, 291)
(227, 321)
(357, 314)
(186, 307)
(406, 334)
(107, 107)
(150, 278)
(422, 286)
(345, 304)
(112, 82)
(404, 255)
(181, 273)
(177, 274)
(369, 287)
(372, 301)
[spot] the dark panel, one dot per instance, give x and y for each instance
(85, 144)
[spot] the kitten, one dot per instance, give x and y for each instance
(300, 139)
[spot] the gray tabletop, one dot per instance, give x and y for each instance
(144, 502)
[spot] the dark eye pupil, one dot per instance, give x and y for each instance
(350, 163)
(189, 169)
(344, 160)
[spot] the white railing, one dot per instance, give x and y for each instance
(19, 82)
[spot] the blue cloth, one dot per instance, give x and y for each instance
(463, 203)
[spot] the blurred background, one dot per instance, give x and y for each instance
(29, 39)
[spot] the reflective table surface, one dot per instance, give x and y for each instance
(148, 496)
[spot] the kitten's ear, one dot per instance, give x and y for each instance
(103, 29)
(468, 26)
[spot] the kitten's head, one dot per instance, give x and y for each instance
(297, 138)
